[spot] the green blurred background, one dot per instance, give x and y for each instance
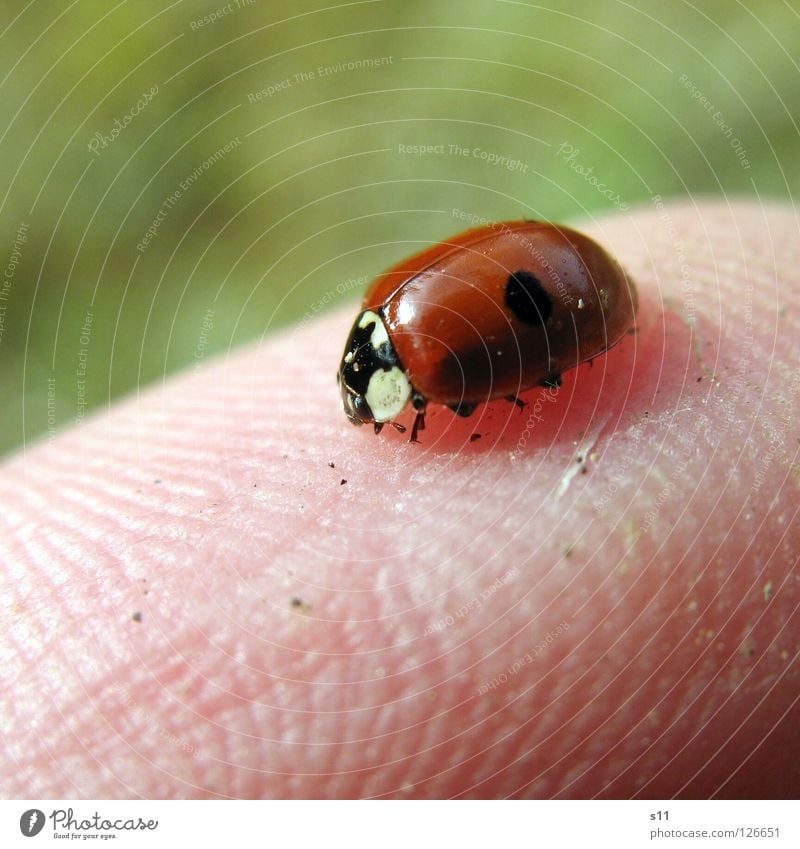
(268, 149)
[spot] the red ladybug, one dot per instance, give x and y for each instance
(486, 314)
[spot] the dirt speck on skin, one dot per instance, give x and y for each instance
(475, 437)
(768, 591)
(568, 550)
(747, 649)
(332, 465)
(137, 617)
(632, 534)
(343, 482)
(297, 603)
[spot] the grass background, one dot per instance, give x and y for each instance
(317, 188)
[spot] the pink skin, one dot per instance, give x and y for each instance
(653, 514)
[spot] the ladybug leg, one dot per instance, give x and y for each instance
(419, 424)
(518, 401)
(419, 402)
(552, 381)
(398, 427)
(463, 409)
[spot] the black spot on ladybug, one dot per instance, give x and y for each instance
(463, 409)
(552, 382)
(527, 298)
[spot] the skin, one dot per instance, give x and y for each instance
(597, 598)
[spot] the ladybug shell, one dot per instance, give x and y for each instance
(499, 309)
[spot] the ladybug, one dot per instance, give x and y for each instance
(486, 314)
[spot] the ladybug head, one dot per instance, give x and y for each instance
(374, 385)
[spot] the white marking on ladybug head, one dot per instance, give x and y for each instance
(388, 393)
(379, 333)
